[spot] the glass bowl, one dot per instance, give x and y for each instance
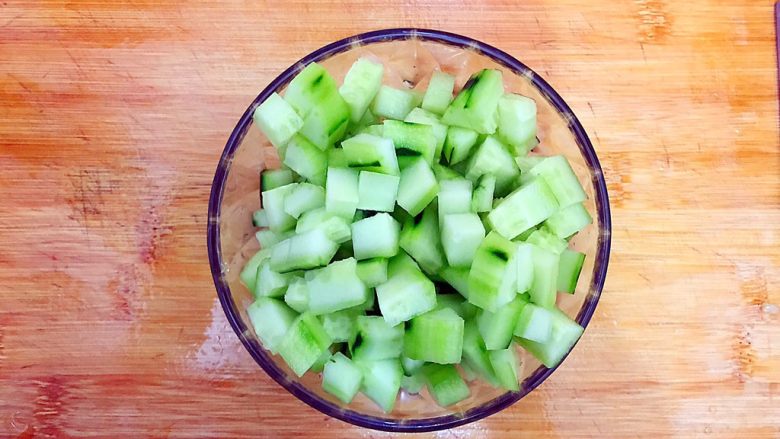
(409, 56)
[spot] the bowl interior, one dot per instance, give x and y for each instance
(409, 60)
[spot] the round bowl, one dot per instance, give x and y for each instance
(409, 56)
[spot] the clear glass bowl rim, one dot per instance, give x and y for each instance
(213, 235)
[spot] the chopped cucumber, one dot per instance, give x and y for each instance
(445, 384)
(517, 122)
(375, 237)
(491, 157)
(568, 221)
(372, 271)
(525, 163)
(393, 103)
(458, 144)
(435, 337)
(300, 252)
(493, 275)
(248, 274)
(418, 187)
(522, 209)
(561, 179)
(476, 104)
(366, 152)
(411, 141)
(400, 263)
(360, 85)
(564, 333)
(475, 354)
(269, 282)
(418, 115)
(413, 384)
(482, 198)
(341, 378)
(377, 339)
(297, 295)
(304, 343)
(303, 198)
(309, 87)
(405, 295)
(546, 240)
(496, 328)
(534, 323)
(569, 268)
(458, 278)
(461, 235)
(411, 366)
(260, 218)
(504, 364)
(336, 287)
(381, 381)
(306, 159)
(525, 266)
(377, 192)
(420, 238)
(341, 192)
(271, 319)
(277, 120)
(545, 278)
(454, 196)
(335, 227)
(341, 326)
(273, 203)
(438, 95)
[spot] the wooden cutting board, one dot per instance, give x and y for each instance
(113, 116)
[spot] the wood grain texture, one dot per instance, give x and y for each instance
(113, 116)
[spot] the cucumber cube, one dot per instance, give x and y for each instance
(456, 303)
(461, 235)
(546, 240)
(504, 364)
(374, 130)
(341, 378)
(392, 103)
(561, 179)
(309, 88)
(327, 121)
(271, 319)
(444, 173)
(274, 178)
(336, 287)
(306, 159)
(458, 144)
(269, 282)
(445, 384)
(405, 295)
(248, 274)
(377, 192)
(454, 197)
(493, 275)
(304, 343)
(525, 266)
(569, 268)
(438, 95)
(400, 263)
(545, 278)
(259, 218)
(412, 384)
(372, 271)
(491, 157)
(297, 295)
(435, 337)
(411, 141)
(411, 366)
(418, 187)
(273, 203)
(375, 237)
(568, 221)
(341, 192)
(340, 325)
(420, 238)
(458, 278)
(377, 339)
(335, 227)
(496, 328)
(277, 120)
(303, 198)
(475, 354)
(534, 323)
(526, 162)
(517, 122)
(381, 381)
(482, 198)
(418, 115)
(366, 152)
(522, 209)
(564, 333)
(361, 84)
(476, 104)
(308, 250)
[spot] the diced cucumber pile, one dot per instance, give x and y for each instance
(409, 240)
